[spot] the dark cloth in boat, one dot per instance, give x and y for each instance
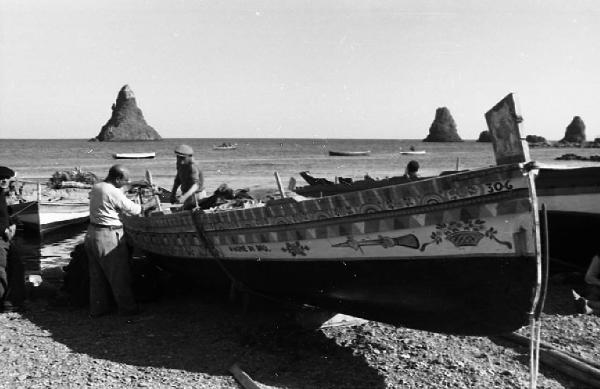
(223, 195)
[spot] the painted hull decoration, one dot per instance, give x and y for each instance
(571, 196)
(448, 254)
(45, 216)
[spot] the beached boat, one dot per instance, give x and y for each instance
(349, 153)
(44, 216)
(149, 155)
(225, 146)
(445, 254)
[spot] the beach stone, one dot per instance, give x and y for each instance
(484, 136)
(575, 132)
(443, 128)
(127, 121)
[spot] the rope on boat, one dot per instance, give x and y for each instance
(31, 204)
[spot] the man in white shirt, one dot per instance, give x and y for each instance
(110, 275)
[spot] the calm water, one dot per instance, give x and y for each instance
(251, 165)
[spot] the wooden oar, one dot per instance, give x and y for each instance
(156, 197)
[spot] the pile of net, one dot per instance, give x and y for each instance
(75, 178)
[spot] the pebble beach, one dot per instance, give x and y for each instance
(190, 338)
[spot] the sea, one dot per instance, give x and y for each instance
(251, 165)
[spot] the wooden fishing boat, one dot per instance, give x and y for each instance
(148, 155)
(225, 146)
(453, 254)
(413, 152)
(349, 153)
(41, 217)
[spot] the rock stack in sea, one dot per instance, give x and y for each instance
(127, 121)
(484, 136)
(537, 141)
(443, 128)
(575, 132)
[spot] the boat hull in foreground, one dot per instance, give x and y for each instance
(444, 254)
(45, 216)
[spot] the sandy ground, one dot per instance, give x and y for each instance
(190, 338)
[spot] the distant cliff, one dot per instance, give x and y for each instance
(127, 121)
(443, 128)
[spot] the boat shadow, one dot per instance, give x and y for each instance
(199, 332)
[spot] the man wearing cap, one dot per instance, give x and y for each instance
(108, 254)
(12, 272)
(189, 178)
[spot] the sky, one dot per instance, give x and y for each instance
(297, 68)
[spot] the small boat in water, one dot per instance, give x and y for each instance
(41, 217)
(443, 254)
(225, 146)
(412, 152)
(149, 155)
(349, 153)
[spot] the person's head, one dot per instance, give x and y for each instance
(118, 175)
(412, 168)
(184, 154)
(6, 176)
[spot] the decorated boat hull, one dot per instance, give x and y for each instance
(448, 254)
(571, 196)
(44, 216)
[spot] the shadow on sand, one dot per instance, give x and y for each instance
(201, 332)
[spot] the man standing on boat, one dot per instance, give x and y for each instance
(189, 177)
(12, 272)
(108, 254)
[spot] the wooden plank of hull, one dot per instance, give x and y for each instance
(468, 242)
(469, 296)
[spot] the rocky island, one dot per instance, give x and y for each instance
(484, 137)
(443, 128)
(127, 121)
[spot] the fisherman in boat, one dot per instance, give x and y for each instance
(411, 171)
(189, 177)
(12, 271)
(589, 302)
(106, 248)
(412, 148)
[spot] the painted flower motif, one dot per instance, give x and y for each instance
(295, 248)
